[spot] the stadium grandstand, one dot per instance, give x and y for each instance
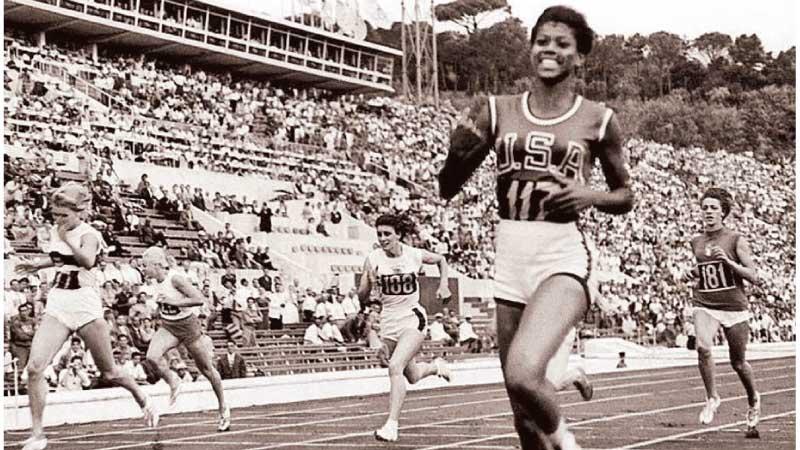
(259, 152)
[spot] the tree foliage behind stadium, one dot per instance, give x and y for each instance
(716, 91)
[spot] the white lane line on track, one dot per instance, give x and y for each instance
(703, 431)
(602, 419)
(503, 398)
(424, 425)
(318, 409)
(264, 416)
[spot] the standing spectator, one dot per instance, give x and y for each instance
(265, 219)
(275, 313)
(336, 310)
(322, 305)
(350, 304)
(265, 281)
(309, 305)
(23, 327)
(74, 377)
(251, 319)
(231, 365)
(144, 191)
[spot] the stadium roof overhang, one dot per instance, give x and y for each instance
(43, 17)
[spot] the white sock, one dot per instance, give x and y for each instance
(392, 423)
(557, 436)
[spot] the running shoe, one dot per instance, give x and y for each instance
(174, 393)
(150, 414)
(707, 414)
(225, 420)
(35, 443)
(584, 385)
(442, 369)
(387, 433)
(754, 412)
(568, 442)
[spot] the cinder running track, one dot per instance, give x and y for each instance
(654, 409)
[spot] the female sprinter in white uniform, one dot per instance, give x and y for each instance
(724, 260)
(394, 268)
(176, 299)
(73, 305)
(546, 141)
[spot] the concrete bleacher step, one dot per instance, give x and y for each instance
(133, 241)
(71, 176)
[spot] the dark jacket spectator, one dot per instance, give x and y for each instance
(143, 190)
(265, 219)
(231, 364)
(151, 236)
(23, 328)
(265, 281)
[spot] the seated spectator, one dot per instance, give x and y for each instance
(451, 323)
(150, 236)
(330, 332)
(231, 364)
(437, 330)
(467, 336)
(182, 371)
(75, 349)
(261, 257)
(355, 329)
(74, 377)
(313, 333)
(374, 325)
(123, 346)
(134, 368)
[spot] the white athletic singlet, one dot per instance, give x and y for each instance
(167, 311)
(398, 278)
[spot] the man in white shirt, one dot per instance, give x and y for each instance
(112, 272)
(336, 311)
(330, 332)
(351, 305)
(322, 306)
(437, 330)
(628, 326)
(133, 367)
(312, 335)
(130, 273)
(467, 336)
(74, 377)
(309, 305)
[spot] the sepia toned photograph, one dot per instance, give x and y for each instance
(399, 224)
